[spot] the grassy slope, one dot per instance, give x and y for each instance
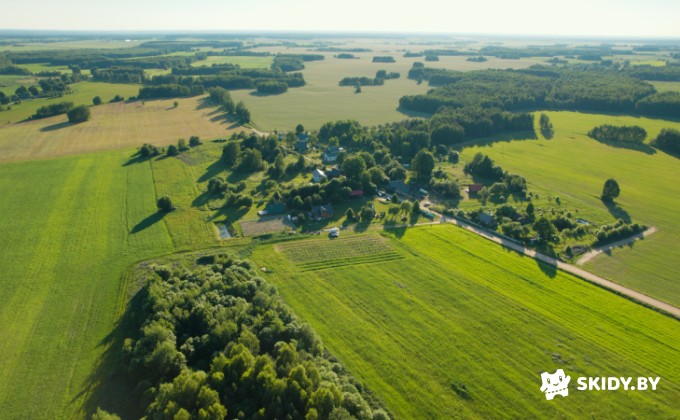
(575, 167)
(113, 126)
(83, 92)
(65, 240)
(475, 314)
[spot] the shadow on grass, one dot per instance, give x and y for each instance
(206, 102)
(57, 126)
(413, 114)
(617, 211)
(136, 158)
(213, 170)
(148, 222)
(640, 147)
(229, 214)
(109, 386)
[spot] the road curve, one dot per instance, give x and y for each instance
(597, 251)
(576, 271)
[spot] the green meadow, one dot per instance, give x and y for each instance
(469, 332)
(574, 167)
(70, 228)
(82, 94)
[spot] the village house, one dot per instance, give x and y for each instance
(318, 175)
(321, 212)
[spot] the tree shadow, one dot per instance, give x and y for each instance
(229, 214)
(205, 102)
(617, 211)
(549, 270)
(499, 138)
(136, 158)
(148, 222)
(213, 170)
(395, 228)
(413, 114)
(264, 94)
(640, 147)
(57, 126)
(109, 386)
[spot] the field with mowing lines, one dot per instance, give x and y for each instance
(113, 126)
(82, 94)
(574, 167)
(71, 226)
(461, 327)
(318, 254)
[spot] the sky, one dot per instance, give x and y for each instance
(608, 18)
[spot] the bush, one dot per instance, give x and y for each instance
(668, 140)
(97, 100)
(149, 150)
(172, 150)
(79, 114)
(194, 141)
(165, 204)
(182, 145)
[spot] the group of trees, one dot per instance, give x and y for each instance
(546, 126)
(118, 75)
(383, 59)
(293, 62)
(53, 109)
(218, 341)
(504, 183)
(591, 89)
(668, 140)
(624, 134)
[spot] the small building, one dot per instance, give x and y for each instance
(334, 233)
(474, 188)
(321, 212)
(423, 192)
(487, 219)
(330, 155)
(272, 209)
(398, 186)
(301, 146)
(334, 172)
(318, 175)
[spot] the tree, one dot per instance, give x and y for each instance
(611, 190)
(367, 213)
(79, 114)
(353, 167)
(544, 228)
(194, 141)
(97, 100)
(230, 153)
(530, 209)
(415, 208)
(405, 206)
(175, 104)
(350, 214)
(172, 150)
(242, 113)
(251, 161)
(546, 126)
(165, 204)
(299, 129)
(33, 90)
(423, 164)
(182, 145)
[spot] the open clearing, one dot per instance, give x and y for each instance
(574, 167)
(70, 228)
(480, 318)
(113, 126)
(264, 225)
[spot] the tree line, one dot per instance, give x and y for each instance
(613, 133)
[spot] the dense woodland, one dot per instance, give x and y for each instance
(218, 341)
(587, 89)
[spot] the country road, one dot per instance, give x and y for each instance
(597, 251)
(578, 272)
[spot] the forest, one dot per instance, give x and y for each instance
(217, 341)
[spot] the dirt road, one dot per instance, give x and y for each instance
(597, 251)
(578, 272)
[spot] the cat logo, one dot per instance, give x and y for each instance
(555, 384)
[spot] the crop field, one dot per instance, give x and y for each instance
(264, 225)
(574, 166)
(82, 94)
(469, 332)
(246, 62)
(70, 228)
(113, 126)
(325, 253)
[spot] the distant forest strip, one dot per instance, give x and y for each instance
(585, 89)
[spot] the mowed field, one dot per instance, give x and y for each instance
(70, 228)
(459, 327)
(113, 126)
(574, 167)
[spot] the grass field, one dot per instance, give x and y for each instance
(666, 86)
(70, 228)
(246, 62)
(83, 92)
(475, 316)
(113, 126)
(575, 167)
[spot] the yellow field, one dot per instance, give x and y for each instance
(112, 126)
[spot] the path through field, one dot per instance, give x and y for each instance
(599, 250)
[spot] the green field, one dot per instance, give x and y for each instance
(459, 312)
(574, 167)
(246, 62)
(666, 86)
(83, 92)
(70, 228)
(114, 126)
